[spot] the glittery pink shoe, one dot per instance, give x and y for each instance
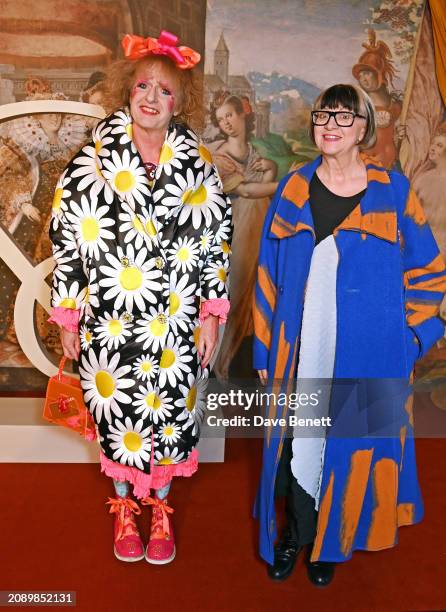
(128, 545)
(161, 546)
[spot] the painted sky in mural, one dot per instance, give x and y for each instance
(316, 40)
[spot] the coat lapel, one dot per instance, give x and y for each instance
(375, 214)
(143, 208)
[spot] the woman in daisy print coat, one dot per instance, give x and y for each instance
(141, 233)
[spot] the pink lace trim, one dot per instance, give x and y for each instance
(142, 483)
(65, 317)
(216, 306)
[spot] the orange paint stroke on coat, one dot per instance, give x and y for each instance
(322, 520)
(281, 228)
(383, 224)
(403, 434)
(383, 526)
(380, 176)
(434, 266)
(283, 351)
(408, 407)
(420, 312)
(267, 286)
(262, 326)
(353, 497)
(414, 210)
(432, 284)
(297, 190)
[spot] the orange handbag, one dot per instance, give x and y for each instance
(64, 404)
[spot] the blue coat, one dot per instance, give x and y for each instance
(390, 282)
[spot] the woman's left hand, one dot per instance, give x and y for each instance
(207, 342)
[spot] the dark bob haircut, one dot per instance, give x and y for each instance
(354, 99)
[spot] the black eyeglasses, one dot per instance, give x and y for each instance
(342, 118)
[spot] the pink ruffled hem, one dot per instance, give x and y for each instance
(216, 306)
(142, 483)
(65, 317)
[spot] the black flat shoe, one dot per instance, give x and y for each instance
(320, 573)
(285, 555)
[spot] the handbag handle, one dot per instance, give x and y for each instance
(61, 367)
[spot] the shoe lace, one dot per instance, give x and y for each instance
(160, 519)
(125, 508)
(286, 541)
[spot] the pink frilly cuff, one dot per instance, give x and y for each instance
(160, 476)
(65, 317)
(216, 306)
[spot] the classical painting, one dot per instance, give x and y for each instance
(265, 65)
(61, 53)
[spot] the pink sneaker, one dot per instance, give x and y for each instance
(161, 546)
(128, 545)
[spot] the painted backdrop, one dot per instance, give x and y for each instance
(57, 49)
(266, 62)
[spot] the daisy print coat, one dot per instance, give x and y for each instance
(137, 258)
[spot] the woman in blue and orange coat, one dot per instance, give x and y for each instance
(349, 285)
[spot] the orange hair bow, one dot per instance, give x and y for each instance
(136, 47)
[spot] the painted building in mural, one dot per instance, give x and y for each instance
(237, 84)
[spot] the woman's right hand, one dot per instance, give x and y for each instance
(263, 375)
(71, 343)
(225, 165)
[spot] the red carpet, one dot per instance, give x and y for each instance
(56, 535)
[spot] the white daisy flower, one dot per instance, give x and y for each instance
(173, 362)
(224, 229)
(102, 138)
(86, 337)
(183, 255)
(202, 153)
(169, 199)
(206, 239)
(204, 201)
(91, 174)
(61, 195)
(223, 247)
(193, 399)
(152, 328)
(138, 227)
(112, 331)
(123, 126)
(128, 177)
(152, 403)
(170, 433)
(71, 297)
(168, 456)
(130, 442)
(62, 264)
(216, 275)
(90, 226)
(91, 298)
(145, 367)
(102, 382)
(182, 296)
(173, 151)
(132, 279)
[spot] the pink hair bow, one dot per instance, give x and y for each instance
(136, 47)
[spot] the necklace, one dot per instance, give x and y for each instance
(150, 168)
